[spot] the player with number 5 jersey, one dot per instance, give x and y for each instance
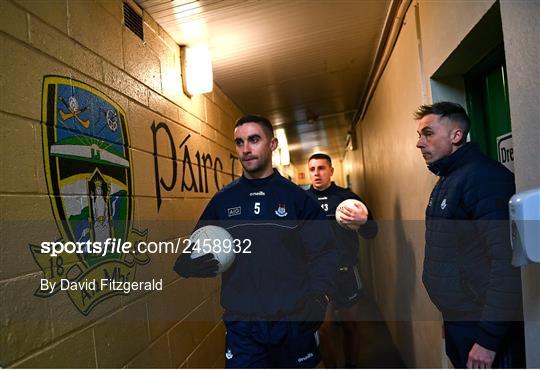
(275, 296)
(280, 220)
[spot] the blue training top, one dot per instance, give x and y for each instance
(290, 242)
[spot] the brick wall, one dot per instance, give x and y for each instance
(86, 42)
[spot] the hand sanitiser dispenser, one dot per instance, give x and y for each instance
(525, 227)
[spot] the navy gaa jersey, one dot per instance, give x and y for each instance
(290, 244)
(346, 240)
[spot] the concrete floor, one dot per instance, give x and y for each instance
(376, 349)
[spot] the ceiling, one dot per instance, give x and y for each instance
(302, 63)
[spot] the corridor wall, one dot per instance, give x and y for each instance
(391, 174)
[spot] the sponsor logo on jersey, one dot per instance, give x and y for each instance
(306, 357)
(257, 194)
(322, 198)
(281, 211)
(236, 211)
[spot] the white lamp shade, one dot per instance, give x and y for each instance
(197, 75)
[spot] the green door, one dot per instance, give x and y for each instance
(489, 109)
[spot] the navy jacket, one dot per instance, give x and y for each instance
(346, 240)
(467, 267)
(291, 247)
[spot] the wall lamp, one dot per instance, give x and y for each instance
(196, 68)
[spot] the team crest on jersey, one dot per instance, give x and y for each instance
(443, 204)
(89, 174)
(281, 211)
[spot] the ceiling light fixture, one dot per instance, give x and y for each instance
(281, 156)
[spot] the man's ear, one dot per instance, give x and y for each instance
(456, 135)
(331, 171)
(273, 143)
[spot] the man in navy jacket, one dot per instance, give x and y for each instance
(274, 295)
(467, 267)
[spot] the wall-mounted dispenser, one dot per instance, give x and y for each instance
(525, 227)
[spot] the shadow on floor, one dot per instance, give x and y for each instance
(376, 349)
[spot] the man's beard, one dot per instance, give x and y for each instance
(253, 169)
(257, 167)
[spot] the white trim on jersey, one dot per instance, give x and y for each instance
(263, 224)
(357, 276)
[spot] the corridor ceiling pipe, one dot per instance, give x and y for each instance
(392, 27)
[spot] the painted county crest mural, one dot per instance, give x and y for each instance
(89, 175)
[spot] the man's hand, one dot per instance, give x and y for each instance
(355, 215)
(203, 266)
(480, 357)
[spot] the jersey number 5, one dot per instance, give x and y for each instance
(257, 208)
